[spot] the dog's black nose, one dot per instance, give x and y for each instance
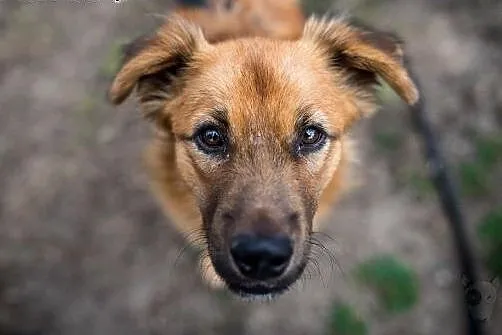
(259, 257)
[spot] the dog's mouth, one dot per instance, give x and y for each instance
(247, 291)
(248, 288)
(259, 261)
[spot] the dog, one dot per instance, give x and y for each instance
(251, 104)
(481, 297)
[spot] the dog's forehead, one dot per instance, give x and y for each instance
(262, 68)
(485, 287)
(263, 84)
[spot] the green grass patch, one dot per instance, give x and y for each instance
(385, 93)
(475, 176)
(489, 151)
(490, 234)
(394, 283)
(86, 118)
(111, 62)
(474, 179)
(344, 320)
(421, 186)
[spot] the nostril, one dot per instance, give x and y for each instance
(261, 257)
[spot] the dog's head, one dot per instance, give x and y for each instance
(256, 128)
(481, 297)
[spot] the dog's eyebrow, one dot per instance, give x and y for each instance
(304, 113)
(308, 115)
(220, 115)
(216, 115)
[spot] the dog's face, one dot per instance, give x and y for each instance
(255, 127)
(481, 297)
(257, 140)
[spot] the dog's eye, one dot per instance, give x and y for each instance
(210, 139)
(311, 139)
(311, 135)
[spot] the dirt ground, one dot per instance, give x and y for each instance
(84, 248)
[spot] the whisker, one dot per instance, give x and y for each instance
(194, 234)
(180, 253)
(333, 261)
(305, 278)
(193, 238)
(313, 261)
(205, 267)
(326, 235)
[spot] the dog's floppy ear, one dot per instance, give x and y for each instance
(155, 64)
(363, 54)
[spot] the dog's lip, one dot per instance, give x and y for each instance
(254, 290)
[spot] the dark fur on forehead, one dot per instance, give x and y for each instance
(261, 76)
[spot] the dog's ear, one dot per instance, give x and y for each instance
(465, 281)
(495, 282)
(156, 64)
(364, 55)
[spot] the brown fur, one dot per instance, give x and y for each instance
(259, 71)
(226, 19)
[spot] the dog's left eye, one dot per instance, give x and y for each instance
(311, 138)
(211, 140)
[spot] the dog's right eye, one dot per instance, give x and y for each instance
(211, 140)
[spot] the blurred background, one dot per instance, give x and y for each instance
(85, 250)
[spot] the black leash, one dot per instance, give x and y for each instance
(449, 201)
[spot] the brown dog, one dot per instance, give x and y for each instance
(251, 114)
